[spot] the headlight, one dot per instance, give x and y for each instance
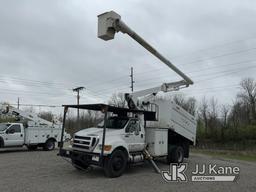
(106, 147)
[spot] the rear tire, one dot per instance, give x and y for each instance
(115, 165)
(32, 147)
(176, 155)
(49, 145)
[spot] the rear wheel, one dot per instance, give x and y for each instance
(176, 155)
(49, 145)
(115, 165)
(32, 147)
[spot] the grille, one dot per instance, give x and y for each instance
(85, 143)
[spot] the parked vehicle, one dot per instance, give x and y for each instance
(149, 128)
(129, 134)
(36, 132)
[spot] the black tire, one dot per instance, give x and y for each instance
(115, 164)
(32, 147)
(79, 165)
(1, 142)
(49, 145)
(176, 155)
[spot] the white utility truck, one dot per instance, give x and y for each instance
(149, 128)
(33, 132)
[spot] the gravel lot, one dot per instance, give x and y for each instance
(22, 170)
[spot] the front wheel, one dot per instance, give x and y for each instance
(115, 164)
(1, 142)
(49, 145)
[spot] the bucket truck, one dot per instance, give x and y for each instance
(32, 131)
(149, 128)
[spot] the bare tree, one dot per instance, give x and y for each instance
(118, 100)
(224, 122)
(213, 114)
(189, 104)
(203, 114)
(47, 115)
(248, 96)
(235, 115)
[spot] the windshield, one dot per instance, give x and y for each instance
(4, 126)
(114, 123)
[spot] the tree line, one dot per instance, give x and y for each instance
(218, 125)
(228, 125)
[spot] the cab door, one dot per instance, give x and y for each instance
(134, 136)
(14, 136)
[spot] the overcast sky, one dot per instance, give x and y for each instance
(48, 47)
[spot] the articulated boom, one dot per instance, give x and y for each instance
(110, 23)
(9, 110)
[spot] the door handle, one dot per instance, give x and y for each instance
(21, 135)
(141, 135)
(127, 135)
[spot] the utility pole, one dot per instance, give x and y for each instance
(18, 103)
(78, 89)
(132, 80)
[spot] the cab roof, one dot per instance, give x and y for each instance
(148, 115)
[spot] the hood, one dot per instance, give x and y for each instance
(98, 131)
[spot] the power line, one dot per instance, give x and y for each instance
(200, 50)
(45, 83)
(201, 70)
(42, 83)
(221, 72)
(189, 63)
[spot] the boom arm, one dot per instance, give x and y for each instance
(8, 110)
(110, 23)
(133, 99)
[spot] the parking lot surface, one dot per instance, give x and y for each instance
(41, 171)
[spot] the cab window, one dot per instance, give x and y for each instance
(133, 126)
(14, 129)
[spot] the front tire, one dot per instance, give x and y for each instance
(115, 165)
(49, 145)
(1, 142)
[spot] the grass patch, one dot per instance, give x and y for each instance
(226, 154)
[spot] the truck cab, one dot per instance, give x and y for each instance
(11, 134)
(126, 132)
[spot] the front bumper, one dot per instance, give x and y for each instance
(86, 157)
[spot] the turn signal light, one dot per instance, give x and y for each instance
(107, 147)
